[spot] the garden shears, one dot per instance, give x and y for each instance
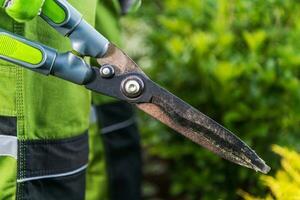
(120, 77)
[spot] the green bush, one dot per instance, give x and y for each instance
(285, 185)
(238, 62)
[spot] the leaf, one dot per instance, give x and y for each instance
(255, 39)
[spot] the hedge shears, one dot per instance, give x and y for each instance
(120, 77)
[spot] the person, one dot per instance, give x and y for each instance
(119, 131)
(44, 121)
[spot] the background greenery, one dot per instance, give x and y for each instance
(238, 62)
(286, 183)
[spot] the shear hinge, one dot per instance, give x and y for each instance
(132, 87)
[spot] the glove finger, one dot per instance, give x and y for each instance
(23, 10)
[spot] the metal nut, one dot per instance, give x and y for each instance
(132, 87)
(107, 71)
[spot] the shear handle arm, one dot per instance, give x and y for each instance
(43, 59)
(85, 39)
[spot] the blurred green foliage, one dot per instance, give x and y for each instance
(285, 185)
(238, 62)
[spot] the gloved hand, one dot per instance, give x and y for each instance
(22, 10)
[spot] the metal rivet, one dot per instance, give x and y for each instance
(107, 71)
(132, 86)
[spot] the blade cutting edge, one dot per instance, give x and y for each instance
(201, 129)
(185, 119)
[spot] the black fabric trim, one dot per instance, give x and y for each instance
(114, 113)
(8, 126)
(47, 157)
(68, 187)
(125, 6)
(124, 163)
(122, 152)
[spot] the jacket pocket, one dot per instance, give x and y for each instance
(65, 187)
(52, 169)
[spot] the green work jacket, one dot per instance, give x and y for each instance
(46, 107)
(45, 118)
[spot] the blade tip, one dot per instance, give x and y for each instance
(262, 167)
(265, 169)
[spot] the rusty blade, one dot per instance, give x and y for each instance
(201, 129)
(185, 119)
(121, 61)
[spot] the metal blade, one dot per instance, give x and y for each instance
(201, 129)
(185, 119)
(120, 60)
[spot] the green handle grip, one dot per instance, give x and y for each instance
(63, 17)
(69, 22)
(23, 52)
(43, 59)
(55, 12)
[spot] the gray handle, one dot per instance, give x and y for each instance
(69, 22)
(43, 59)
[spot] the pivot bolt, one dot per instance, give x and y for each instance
(132, 87)
(107, 71)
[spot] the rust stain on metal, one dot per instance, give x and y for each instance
(186, 120)
(156, 112)
(203, 131)
(120, 60)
